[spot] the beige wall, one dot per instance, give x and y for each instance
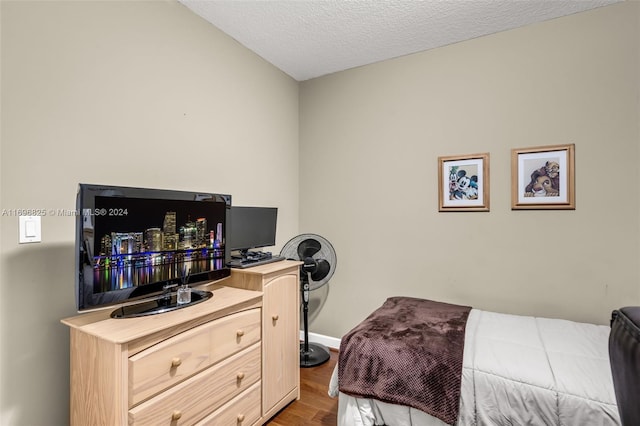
(371, 136)
(124, 93)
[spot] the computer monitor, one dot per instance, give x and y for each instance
(252, 227)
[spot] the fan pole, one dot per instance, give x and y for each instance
(305, 317)
(311, 354)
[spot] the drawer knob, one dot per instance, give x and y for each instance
(240, 375)
(240, 418)
(176, 362)
(275, 317)
(240, 333)
(176, 415)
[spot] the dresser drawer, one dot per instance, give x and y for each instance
(200, 395)
(175, 359)
(243, 410)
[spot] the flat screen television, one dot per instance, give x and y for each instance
(252, 227)
(131, 242)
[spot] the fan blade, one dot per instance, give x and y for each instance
(308, 248)
(322, 270)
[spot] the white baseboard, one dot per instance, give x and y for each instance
(330, 342)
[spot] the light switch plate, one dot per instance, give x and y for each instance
(30, 229)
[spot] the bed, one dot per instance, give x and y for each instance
(513, 370)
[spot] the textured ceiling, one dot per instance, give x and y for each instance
(312, 38)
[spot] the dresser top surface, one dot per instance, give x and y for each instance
(225, 300)
(269, 268)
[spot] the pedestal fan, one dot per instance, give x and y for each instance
(319, 259)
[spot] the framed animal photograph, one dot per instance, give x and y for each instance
(463, 183)
(543, 178)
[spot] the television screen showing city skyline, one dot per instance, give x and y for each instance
(142, 240)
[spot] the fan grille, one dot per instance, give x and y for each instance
(317, 253)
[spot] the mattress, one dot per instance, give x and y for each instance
(517, 370)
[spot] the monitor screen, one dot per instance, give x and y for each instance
(252, 227)
(130, 242)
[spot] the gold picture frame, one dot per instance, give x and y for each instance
(543, 177)
(463, 183)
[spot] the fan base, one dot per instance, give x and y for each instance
(316, 355)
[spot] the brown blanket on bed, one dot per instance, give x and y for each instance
(409, 352)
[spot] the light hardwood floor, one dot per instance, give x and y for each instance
(315, 406)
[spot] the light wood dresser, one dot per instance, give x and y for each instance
(230, 360)
(198, 365)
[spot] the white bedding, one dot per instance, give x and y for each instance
(517, 370)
